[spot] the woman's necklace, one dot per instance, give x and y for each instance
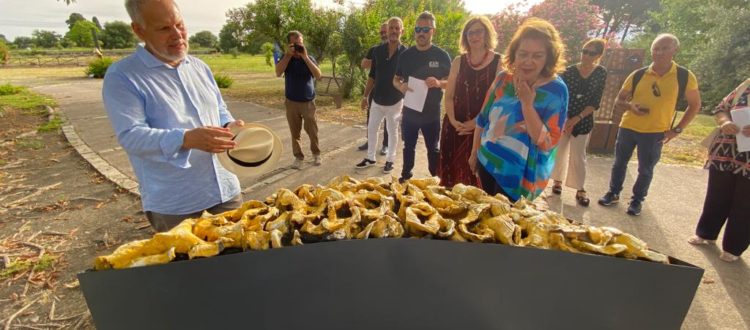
(484, 58)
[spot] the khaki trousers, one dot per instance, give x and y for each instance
(571, 158)
(163, 222)
(299, 115)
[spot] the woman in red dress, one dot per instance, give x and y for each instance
(470, 77)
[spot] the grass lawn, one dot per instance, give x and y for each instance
(255, 81)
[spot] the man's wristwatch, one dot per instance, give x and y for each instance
(677, 130)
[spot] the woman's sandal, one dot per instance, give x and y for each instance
(728, 257)
(581, 198)
(695, 240)
(557, 187)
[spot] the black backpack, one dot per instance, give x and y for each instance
(682, 79)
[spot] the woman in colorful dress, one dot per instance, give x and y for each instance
(585, 81)
(470, 77)
(728, 182)
(523, 115)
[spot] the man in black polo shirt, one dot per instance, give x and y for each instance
(386, 99)
(299, 71)
(427, 62)
(366, 101)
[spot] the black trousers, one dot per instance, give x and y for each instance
(726, 202)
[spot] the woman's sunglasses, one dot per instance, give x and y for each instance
(589, 52)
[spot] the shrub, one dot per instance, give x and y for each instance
(99, 67)
(9, 89)
(223, 81)
(4, 53)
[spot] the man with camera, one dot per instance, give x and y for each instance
(299, 71)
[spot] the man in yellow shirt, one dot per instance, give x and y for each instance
(648, 118)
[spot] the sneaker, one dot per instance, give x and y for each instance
(384, 151)
(388, 167)
(635, 207)
(317, 160)
(362, 147)
(297, 163)
(365, 163)
(609, 198)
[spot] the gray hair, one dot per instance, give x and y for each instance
(134, 10)
(675, 41)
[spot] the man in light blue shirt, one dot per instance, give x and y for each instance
(170, 118)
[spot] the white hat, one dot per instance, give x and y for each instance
(257, 151)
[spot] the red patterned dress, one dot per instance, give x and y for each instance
(470, 90)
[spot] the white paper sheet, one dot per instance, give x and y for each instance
(741, 117)
(415, 98)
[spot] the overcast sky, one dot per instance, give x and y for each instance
(19, 18)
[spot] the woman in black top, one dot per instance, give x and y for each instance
(585, 82)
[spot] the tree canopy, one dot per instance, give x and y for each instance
(82, 33)
(118, 34)
(204, 39)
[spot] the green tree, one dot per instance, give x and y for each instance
(23, 42)
(45, 38)
(204, 39)
(574, 19)
(3, 39)
(231, 36)
(723, 61)
(620, 16)
(82, 33)
(117, 35)
(273, 19)
(73, 19)
(324, 24)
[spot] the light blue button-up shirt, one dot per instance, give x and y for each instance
(150, 105)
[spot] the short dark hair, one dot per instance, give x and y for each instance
(293, 33)
(427, 16)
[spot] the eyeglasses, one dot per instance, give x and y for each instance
(589, 52)
(655, 90)
(475, 33)
(422, 29)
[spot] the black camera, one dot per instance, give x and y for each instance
(299, 48)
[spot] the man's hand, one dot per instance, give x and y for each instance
(364, 104)
(209, 139)
(236, 124)
(404, 87)
(432, 82)
(637, 110)
(669, 135)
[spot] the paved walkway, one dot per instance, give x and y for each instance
(668, 218)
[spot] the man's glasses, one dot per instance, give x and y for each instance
(655, 90)
(589, 52)
(422, 29)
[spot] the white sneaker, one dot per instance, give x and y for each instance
(317, 160)
(297, 163)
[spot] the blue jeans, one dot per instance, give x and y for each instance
(410, 133)
(649, 151)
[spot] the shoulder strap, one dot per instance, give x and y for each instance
(637, 78)
(739, 91)
(682, 79)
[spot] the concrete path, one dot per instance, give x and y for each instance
(668, 219)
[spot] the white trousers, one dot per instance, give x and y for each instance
(392, 115)
(571, 158)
